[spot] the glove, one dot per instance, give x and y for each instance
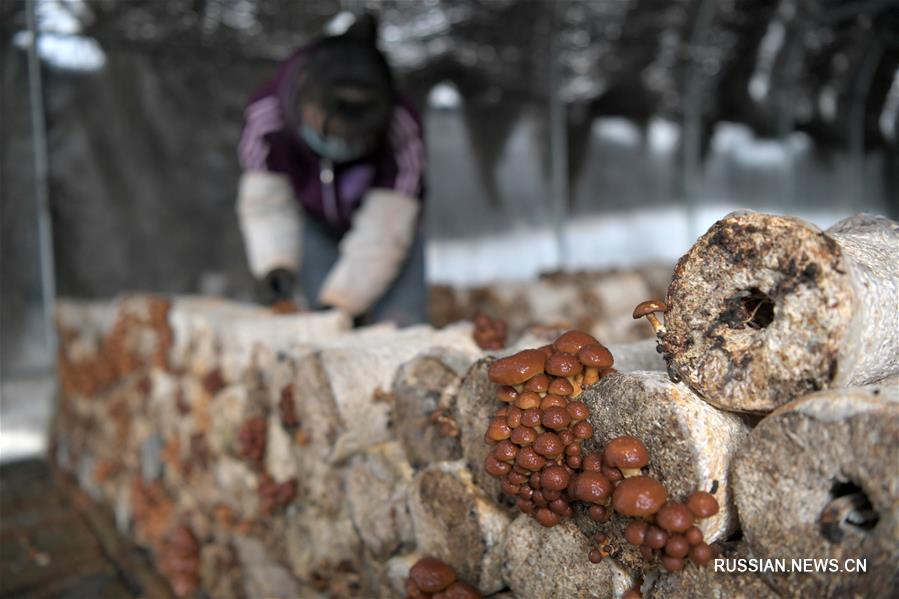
(277, 285)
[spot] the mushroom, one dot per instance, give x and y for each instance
(702, 504)
(560, 386)
(431, 575)
(537, 384)
(596, 358)
(556, 418)
(626, 453)
(639, 496)
(506, 394)
(554, 478)
(677, 546)
(527, 400)
(701, 554)
(674, 517)
(564, 365)
(648, 309)
(672, 564)
(635, 532)
(571, 342)
(655, 537)
(693, 535)
(549, 445)
(518, 368)
(578, 410)
(591, 487)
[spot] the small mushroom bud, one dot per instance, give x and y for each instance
(701, 554)
(534, 481)
(592, 462)
(693, 535)
(595, 556)
(635, 532)
(527, 400)
(702, 504)
(498, 430)
(598, 513)
(523, 435)
(592, 487)
(613, 474)
(518, 368)
(677, 546)
(539, 500)
(546, 517)
(529, 459)
(647, 553)
(506, 394)
(531, 417)
(573, 449)
(553, 401)
(672, 564)
(459, 590)
(571, 342)
(567, 437)
(639, 496)
(556, 418)
(655, 537)
(525, 506)
(516, 478)
(563, 365)
(578, 410)
(550, 495)
(549, 445)
(561, 507)
(494, 467)
(560, 387)
(554, 478)
(537, 384)
(432, 575)
(573, 461)
(509, 488)
(513, 417)
(648, 309)
(526, 492)
(674, 517)
(626, 453)
(582, 430)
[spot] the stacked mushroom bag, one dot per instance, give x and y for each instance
(763, 310)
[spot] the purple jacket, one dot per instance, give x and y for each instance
(270, 142)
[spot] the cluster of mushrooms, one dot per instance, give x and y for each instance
(539, 458)
(430, 578)
(538, 435)
(489, 333)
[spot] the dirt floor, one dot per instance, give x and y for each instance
(54, 542)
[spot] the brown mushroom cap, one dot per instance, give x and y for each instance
(674, 517)
(538, 384)
(459, 590)
(529, 459)
(693, 535)
(626, 452)
(578, 410)
(655, 537)
(649, 307)
(507, 394)
(592, 487)
(517, 368)
(546, 517)
(560, 364)
(672, 564)
(555, 418)
(527, 400)
(560, 386)
(432, 575)
(554, 478)
(531, 417)
(677, 546)
(702, 504)
(549, 445)
(571, 342)
(701, 554)
(635, 532)
(592, 462)
(639, 496)
(596, 355)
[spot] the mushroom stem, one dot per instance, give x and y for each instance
(591, 375)
(657, 325)
(629, 472)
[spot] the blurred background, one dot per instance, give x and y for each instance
(579, 141)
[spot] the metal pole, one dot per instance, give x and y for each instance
(558, 147)
(40, 159)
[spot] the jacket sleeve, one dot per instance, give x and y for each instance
(408, 153)
(372, 252)
(270, 221)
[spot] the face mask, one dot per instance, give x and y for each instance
(333, 148)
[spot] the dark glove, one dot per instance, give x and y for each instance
(276, 286)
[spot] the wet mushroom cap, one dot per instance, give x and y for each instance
(677, 546)
(639, 496)
(702, 504)
(592, 461)
(626, 452)
(635, 532)
(592, 487)
(672, 564)
(578, 410)
(596, 356)
(701, 554)
(674, 517)
(549, 445)
(571, 342)
(560, 386)
(432, 575)
(554, 478)
(555, 418)
(560, 364)
(459, 590)
(649, 307)
(507, 394)
(655, 537)
(518, 368)
(538, 384)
